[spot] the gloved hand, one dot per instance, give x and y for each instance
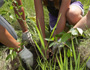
(26, 56)
(88, 64)
(26, 36)
(58, 46)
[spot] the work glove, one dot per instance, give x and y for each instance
(26, 56)
(26, 36)
(88, 64)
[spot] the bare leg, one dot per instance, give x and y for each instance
(21, 21)
(7, 39)
(73, 14)
(84, 23)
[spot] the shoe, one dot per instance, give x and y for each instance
(26, 36)
(88, 64)
(26, 56)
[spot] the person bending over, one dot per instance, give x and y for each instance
(70, 10)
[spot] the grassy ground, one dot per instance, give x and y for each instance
(28, 5)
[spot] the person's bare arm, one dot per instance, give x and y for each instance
(63, 9)
(84, 23)
(40, 16)
(21, 18)
(7, 39)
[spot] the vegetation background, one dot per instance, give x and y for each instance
(8, 13)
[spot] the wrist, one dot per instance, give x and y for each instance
(19, 49)
(25, 31)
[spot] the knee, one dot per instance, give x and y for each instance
(73, 16)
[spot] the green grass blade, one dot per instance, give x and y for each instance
(71, 67)
(55, 26)
(65, 60)
(41, 38)
(60, 66)
(39, 49)
(74, 53)
(78, 62)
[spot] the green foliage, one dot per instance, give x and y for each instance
(12, 54)
(71, 60)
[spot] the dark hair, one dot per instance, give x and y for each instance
(56, 3)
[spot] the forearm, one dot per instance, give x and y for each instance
(7, 39)
(21, 17)
(61, 24)
(84, 23)
(40, 17)
(41, 26)
(62, 20)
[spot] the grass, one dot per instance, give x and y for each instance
(63, 64)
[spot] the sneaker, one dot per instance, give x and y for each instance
(26, 36)
(88, 64)
(26, 56)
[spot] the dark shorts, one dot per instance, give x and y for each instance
(53, 19)
(9, 28)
